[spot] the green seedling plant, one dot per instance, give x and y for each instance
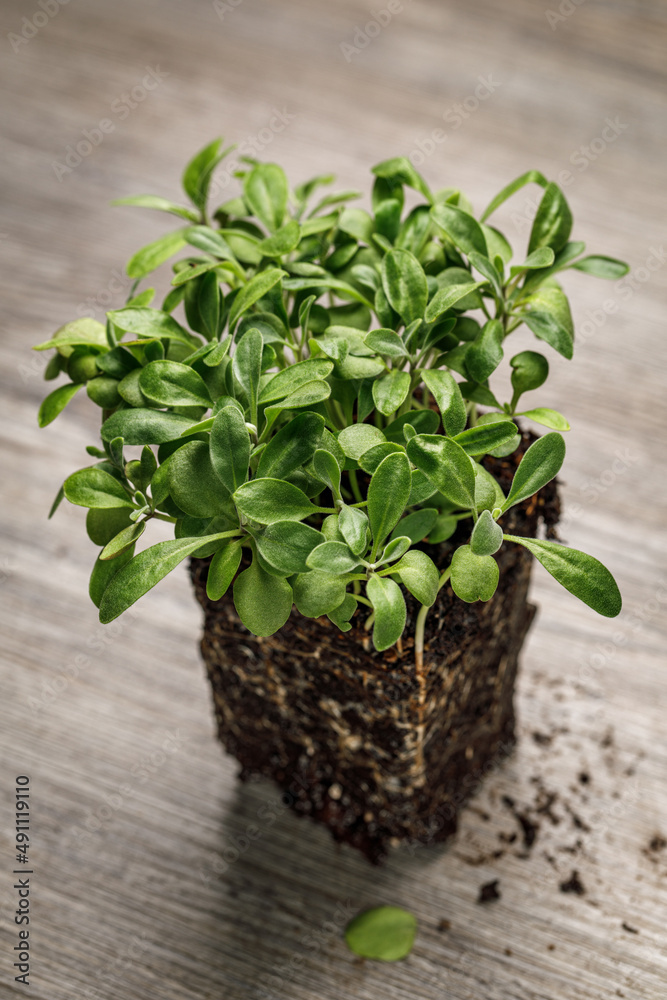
(312, 418)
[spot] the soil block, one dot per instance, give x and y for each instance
(362, 741)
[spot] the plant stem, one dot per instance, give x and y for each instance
(420, 624)
(354, 483)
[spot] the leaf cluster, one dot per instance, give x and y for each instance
(308, 393)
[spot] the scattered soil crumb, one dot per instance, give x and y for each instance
(657, 844)
(543, 739)
(508, 951)
(577, 820)
(584, 777)
(528, 828)
(444, 925)
(629, 928)
(608, 739)
(488, 892)
(551, 947)
(573, 884)
(507, 838)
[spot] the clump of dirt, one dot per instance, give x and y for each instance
(573, 884)
(489, 892)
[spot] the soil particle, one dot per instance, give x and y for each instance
(444, 925)
(577, 821)
(657, 844)
(551, 947)
(584, 777)
(573, 884)
(528, 828)
(543, 739)
(489, 892)
(629, 928)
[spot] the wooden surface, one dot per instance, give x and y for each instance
(156, 874)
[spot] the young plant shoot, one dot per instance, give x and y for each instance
(310, 420)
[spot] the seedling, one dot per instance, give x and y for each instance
(312, 417)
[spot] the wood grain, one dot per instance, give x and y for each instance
(156, 874)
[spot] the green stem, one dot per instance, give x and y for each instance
(420, 624)
(354, 483)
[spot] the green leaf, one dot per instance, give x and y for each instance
(286, 545)
(317, 593)
(553, 222)
(287, 381)
(486, 437)
(394, 549)
(247, 368)
(581, 574)
(230, 448)
(154, 254)
(56, 402)
(285, 240)
(256, 289)
(487, 535)
(386, 342)
(386, 933)
(292, 447)
(354, 527)
(539, 465)
(327, 469)
(341, 615)
(370, 459)
(530, 370)
(488, 494)
(193, 484)
(404, 283)
(151, 324)
(446, 298)
(160, 204)
(446, 465)
(80, 332)
(420, 575)
(104, 523)
(602, 267)
(93, 487)
(485, 353)
(170, 383)
(444, 528)
(104, 572)
(305, 396)
(548, 418)
(145, 570)
(390, 391)
(263, 602)
(542, 257)
(473, 578)
(144, 426)
(530, 177)
(332, 557)
(423, 421)
(265, 191)
(388, 494)
(463, 230)
(222, 569)
(390, 611)
(399, 170)
(416, 525)
(269, 500)
(123, 541)
(447, 395)
(358, 438)
(550, 319)
(199, 171)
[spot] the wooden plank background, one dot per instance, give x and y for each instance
(156, 874)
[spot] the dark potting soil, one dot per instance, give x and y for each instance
(362, 741)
